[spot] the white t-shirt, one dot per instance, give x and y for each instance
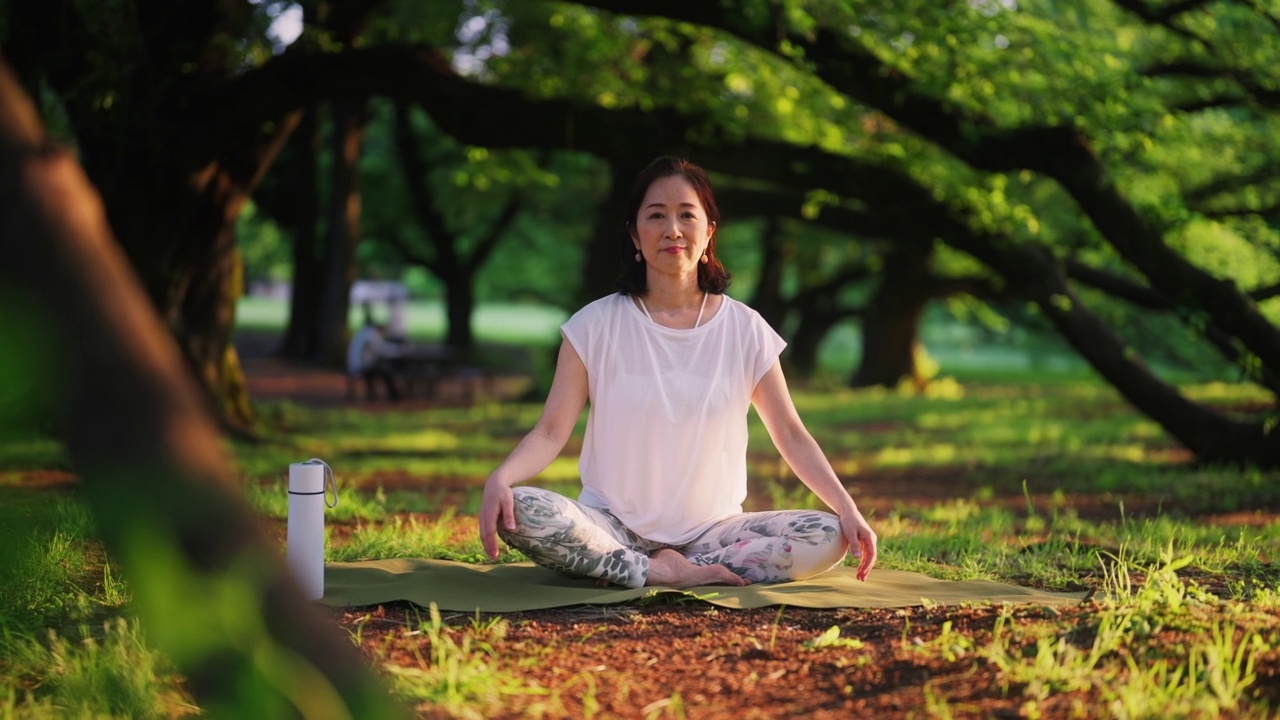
(666, 441)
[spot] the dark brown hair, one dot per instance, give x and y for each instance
(712, 277)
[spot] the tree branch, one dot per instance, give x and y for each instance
(497, 230)
(418, 181)
(1164, 16)
(974, 285)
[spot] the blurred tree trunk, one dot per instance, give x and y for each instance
(296, 203)
(818, 313)
(605, 254)
(818, 309)
(767, 299)
(339, 264)
(163, 493)
(891, 320)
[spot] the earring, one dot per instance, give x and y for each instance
(638, 258)
(704, 259)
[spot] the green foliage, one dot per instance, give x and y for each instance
(264, 247)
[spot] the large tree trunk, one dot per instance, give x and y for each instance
(460, 302)
(802, 350)
(891, 320)
(818, 311)
(162, 491)
(208, 314)
(297, 204)
(344, 231)
(767, 299)
(602, 265)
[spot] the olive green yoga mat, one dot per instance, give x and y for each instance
(524, 586)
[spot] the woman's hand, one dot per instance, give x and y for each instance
(497, 506)
(861, 539)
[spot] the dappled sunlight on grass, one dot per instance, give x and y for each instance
(961, 539)
(419, 441)
(941, 454)
(1227, 392)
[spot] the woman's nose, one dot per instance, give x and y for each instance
(673, 229)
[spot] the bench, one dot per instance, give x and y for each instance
(427, 367)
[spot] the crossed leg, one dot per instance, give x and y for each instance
(563, 534)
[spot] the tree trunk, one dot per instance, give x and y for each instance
(460, 304)
(802, 350)
(891, 320)
(602, 264)
(301, 212)
(767, 299)
(208, 315)
(162, 491)
(344, 231)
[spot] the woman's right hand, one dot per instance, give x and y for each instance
(497, 506)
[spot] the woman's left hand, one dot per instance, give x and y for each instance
(861, 539)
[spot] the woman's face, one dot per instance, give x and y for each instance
(671, 229)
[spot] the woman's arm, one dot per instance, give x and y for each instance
(539, 447)
(773, 402)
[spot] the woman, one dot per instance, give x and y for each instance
(671, 366)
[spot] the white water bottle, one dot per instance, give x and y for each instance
(305, 542)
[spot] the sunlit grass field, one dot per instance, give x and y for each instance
(1056, 484)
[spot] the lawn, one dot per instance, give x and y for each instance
(1055, 485)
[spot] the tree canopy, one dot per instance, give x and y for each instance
(1102, 161)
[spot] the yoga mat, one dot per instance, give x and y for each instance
(514, 587)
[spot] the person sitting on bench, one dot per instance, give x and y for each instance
(366, 358)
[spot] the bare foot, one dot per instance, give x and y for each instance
(669, 568)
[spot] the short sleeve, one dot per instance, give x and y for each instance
(768, 345)
(578, 331)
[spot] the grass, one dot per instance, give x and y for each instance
(1183, 609)
(67, 645)
(457, 674)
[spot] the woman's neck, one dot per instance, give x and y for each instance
(673, 297)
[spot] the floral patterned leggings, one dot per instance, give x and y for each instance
(563, 534)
